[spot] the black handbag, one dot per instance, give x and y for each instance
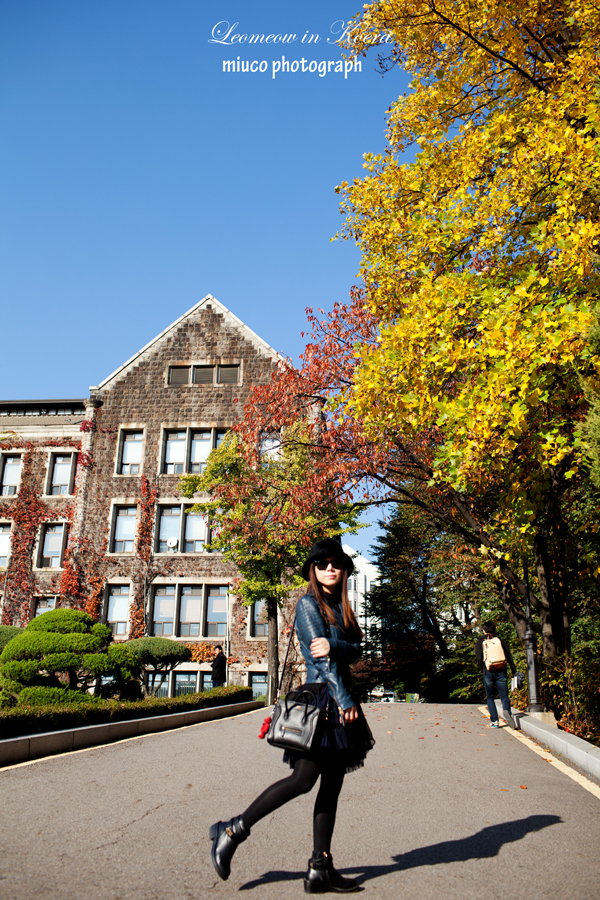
(295, 721)
(296, 717)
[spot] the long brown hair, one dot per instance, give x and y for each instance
(351, 626)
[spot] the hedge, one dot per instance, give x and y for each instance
(53, 696)
(7, 633)
(22, 720)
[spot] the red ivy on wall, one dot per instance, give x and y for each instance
(144, 544)
(28, 512)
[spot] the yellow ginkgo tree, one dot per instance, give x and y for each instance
(480, 258)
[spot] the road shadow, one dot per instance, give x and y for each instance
(482, 845)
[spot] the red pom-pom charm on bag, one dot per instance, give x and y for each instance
(264, 728)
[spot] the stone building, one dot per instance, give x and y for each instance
(90, 516)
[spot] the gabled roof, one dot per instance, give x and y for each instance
(209, 300)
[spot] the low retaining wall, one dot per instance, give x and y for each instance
(36, 746)
(575, 749)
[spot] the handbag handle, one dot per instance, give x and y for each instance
(287, 653)
(305, 697)
(285, 664)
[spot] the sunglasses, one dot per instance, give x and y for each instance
(322, 564)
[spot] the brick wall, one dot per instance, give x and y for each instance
(138, 398)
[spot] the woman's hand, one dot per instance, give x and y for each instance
(320, 647)
(350, 715)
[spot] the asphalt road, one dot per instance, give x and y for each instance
(445, 808)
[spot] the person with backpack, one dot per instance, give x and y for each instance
(493, 655)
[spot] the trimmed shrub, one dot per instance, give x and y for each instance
(66, 650)
(22, 720)
(7, 633)
(48, 696)
(159, 655)
(38, 646)
(63, 621)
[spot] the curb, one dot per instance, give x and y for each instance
(583, 754)
(36, 746)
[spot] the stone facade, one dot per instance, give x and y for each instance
(130, 555)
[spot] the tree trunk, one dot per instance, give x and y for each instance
(272, 650)
(429, 620)
(552, 625)
(513, 608)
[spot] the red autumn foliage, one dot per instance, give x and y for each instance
(28, 513)
(144, 552)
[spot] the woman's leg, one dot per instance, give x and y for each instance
(321, 875)
(332, 778)
(301, 781)
(489, 683)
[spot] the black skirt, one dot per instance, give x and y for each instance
(335, 743)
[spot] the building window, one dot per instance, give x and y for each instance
(179, 375)
(169, 529)
(206, 681)
(190, 615)
(201, 446)
(216, 613)
(270, 446)
(185, 683)
(180, 531)
(44, 604)
(195, 533)
(11, 475)
(124, 533)
(186, 450)
(4, 543)
(204, 374)
(164, 610)
(53, 545)
(228, 374)
(131, 453)
(61, 473)
(118, 608)
(182, 609)
(259, 682)
(175, 453)
(155, 679)
(259, 626)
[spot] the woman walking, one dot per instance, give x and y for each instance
(330, 639)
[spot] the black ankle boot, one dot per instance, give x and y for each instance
(322, 877)
(225, 837)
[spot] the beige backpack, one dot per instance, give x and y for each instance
(493, 654)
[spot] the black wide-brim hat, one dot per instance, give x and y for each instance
(322, 550)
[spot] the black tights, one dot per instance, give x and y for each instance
(301, 781)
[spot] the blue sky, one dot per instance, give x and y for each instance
(136, 176)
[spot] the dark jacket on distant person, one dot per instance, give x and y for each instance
(218, 666)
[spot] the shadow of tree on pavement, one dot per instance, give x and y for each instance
(482, 845)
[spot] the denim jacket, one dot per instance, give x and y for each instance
(334, 669)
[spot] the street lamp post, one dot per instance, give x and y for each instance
(533, 689)
(227, 641)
